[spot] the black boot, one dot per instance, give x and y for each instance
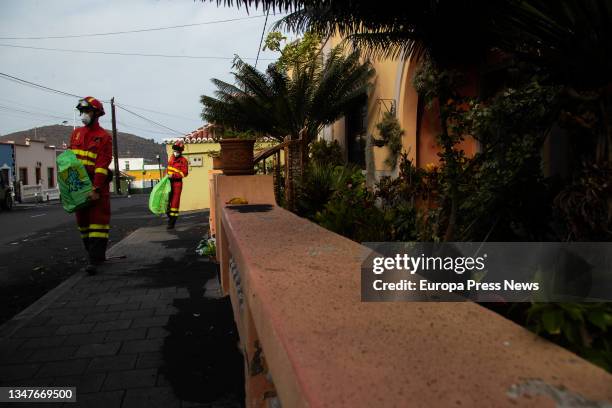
(97, 254)
(171, 222)
(91, 269)
(86, 244)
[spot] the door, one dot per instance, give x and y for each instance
(356, 128)
(51, 177)
(23, 175)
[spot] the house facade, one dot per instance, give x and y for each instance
(35, 164)
(141, 176)
(392, 91)
(199, 145)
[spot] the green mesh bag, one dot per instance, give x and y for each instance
(158, 200)
(74, 182)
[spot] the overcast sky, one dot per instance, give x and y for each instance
(170, 85)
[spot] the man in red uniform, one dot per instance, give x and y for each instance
(93, 147)
(178, 168)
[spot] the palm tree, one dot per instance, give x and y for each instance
(277, 103)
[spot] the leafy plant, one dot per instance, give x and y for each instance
(246, 134)
(583, 205)
(352, 212)
(295, 53)
(210, 249)
(405, 200)
(581, 327)
(326, 153)
(391, 134)
(319, 182)
(279, 104)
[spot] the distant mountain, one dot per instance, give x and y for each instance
(129, 145)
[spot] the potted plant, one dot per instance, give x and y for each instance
(237, 152)
(391, 136)
(217, 162)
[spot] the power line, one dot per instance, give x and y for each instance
(133, 31)
(31, 113)
(263, 31)
(161, 113)
(32, 84)
(124, 54)
(24, 116)
(149, 120)
(22, 105)
(127, 125)
(56, 91)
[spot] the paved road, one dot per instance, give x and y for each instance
(40, 247)
(25, 221)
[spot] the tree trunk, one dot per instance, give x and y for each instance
(294, 168)
(451, 163)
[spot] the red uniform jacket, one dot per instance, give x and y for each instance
(93, 146)
(177, 168)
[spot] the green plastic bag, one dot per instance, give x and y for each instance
(74, 182)
(158, 200)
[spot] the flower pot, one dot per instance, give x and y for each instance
(217, 163)
(237, 156)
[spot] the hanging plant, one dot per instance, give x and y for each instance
(391, 135)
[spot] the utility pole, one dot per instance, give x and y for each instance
(115, 148)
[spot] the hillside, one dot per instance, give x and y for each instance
(129, 145)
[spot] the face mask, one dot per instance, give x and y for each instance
(176, 154)
(85, 118)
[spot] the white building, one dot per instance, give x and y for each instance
(35, 171)
(144, 176)
(128, 163)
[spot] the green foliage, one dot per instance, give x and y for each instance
(326, 153)
(391, 133)
(210, 249)
(278, 104)
(207, 248)
(583, 328)
(404, 199)
(319, 182)
(294, 54)
(583, 204)
(352, 212)
(505, 176)
(248, 134)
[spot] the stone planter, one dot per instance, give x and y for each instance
(237, 155)
(217, 163)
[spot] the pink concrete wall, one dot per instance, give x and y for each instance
(28, 156)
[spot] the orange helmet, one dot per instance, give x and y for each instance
(92, 104)
(178, 145)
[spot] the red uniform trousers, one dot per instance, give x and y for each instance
(175, 198)
(94, 224)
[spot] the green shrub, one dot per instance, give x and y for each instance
(352, 212)
(317, 185)
(326, 153)
(583, 328)
(391, 133)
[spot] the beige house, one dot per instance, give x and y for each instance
(392, 91)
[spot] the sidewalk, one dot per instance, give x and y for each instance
(149, 330)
